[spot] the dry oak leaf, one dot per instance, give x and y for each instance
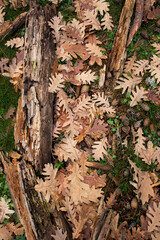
(101, 101)
(95, 53)
(127, 83)
(71, 125)
(153, 214)
(4, 210)
(143, 184)
(137, 96)
(148, 154)
(101, 6)
(15, 70)
(48, 187)
(3, 64)
(155, 72)
(95, 180)
(10, 113)
(139, 67)
(107, 22)
(86, 77)
(97, 128)
(68, 50)
(18, 42)
(4, 233)
(99, 149)
(68, 147)
(59, 235)
(56, 83)
(76, 30)
(140, 142)
(56, 24)
(1, 15)
(157, 47)
(16, 229)
(83, 103)
(129, 64)
(90, 19)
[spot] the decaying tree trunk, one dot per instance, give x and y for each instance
(117, 56)
(33, 130)
(35, 135)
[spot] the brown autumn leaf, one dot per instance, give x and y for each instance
(9, 113)
(154, 13)
(95, 180)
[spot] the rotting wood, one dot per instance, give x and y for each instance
(33, 129)
(137, 20)
(39, 223)
(9, 27)
(118, 53)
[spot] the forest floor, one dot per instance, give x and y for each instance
(123, 123)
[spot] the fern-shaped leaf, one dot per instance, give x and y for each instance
(153, 214)
(139, 67)
(56, 83)
(90, 19)
(101, 6)
(137, 95)
(86, 77)
(101, 101)
(127, 83)
(4, 210)
(76, 30)
(59, 235)
(2, 15)
(99, 149)
(56, 24)
(18, 42)
(107, 22)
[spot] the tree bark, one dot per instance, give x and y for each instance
(118, 53)
(33, 130)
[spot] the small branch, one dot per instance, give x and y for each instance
(98, 165)
(118, 53)
(137, 20)
(7, 28)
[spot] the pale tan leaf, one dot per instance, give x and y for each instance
(90, 19)
(155, 72)
(3, 64)
(84, 103)
(2, 15)
(4, 233)
(101, 101)
(48, 187)
(137, 96)
(15, 155)
(99, 149)
(18, 42)
(140, 142)
(86, 77)
(157, 47)
(148, 154)
(96, 52)
(139, 67)
(4, 210)
(15, 70)
(56, 83)
(129, 64)
(101, 6)
(59, 235)
(127, 83)
(154, 216)
(56, 24)
(107, 22)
